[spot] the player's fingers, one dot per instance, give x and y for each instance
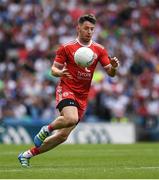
(114, 62)
(65, 70)
(114, 58)
(69, 76)
(66, 73)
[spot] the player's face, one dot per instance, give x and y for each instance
(85, 31)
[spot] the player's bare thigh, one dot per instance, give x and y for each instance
(70, 114)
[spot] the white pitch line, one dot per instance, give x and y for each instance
(11, 170)
(24, 169)
(141, 168)
(126, 168)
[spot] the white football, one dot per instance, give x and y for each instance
(84, 57)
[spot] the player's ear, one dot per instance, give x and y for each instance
(77, 27)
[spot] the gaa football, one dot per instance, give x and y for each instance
(84, 57)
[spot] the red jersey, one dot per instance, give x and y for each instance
(82, 77)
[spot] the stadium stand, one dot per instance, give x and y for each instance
(30, 32)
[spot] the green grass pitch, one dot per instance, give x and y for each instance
(100, 161)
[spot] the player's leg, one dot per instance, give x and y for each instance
(62, 134)
(68, 118)
(51, 142)
(70, 115)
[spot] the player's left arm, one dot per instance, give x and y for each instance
(110, 64)
(111, 68)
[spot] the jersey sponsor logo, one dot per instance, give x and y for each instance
(84, 75)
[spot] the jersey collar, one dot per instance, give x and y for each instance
(84, 44)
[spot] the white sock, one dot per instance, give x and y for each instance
(47, 129)
(27, 154)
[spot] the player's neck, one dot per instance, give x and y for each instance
(83, 43)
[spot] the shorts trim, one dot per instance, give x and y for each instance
(66, 102)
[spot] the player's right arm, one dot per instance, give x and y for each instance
(59, 67)
(60, 70)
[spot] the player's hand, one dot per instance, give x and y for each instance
(114, 62)
(65, 72)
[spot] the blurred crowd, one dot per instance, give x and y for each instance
(31, 31)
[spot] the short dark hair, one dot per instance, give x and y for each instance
(87, 17)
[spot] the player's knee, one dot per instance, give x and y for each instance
(71, 120)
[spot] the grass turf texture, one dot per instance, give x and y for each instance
(84, 162)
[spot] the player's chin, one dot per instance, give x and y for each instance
(87, 38)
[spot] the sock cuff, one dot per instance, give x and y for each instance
(35, 151)
(50, 128)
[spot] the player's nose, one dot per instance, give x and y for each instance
(89, 31)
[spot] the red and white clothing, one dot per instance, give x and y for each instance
(78, 87)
